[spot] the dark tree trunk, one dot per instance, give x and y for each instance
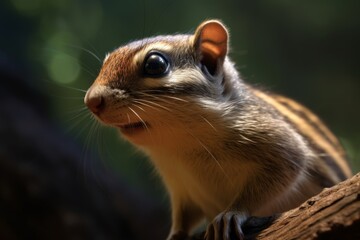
(44, 192)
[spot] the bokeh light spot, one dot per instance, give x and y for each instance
(63, 69)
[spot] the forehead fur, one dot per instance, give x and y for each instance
(174, 40)
(122, 66)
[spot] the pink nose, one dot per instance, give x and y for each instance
(94, 99)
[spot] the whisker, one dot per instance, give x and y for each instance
(80, 119)
(89, 141)
(69, 98)
(83, 66)
(156, 104)
(144, 104)
(158, 98)
(136, 105)
(145, 92)
(73, 88)
(152, 91)
(93, 48)
(77, 114)
(141, 101)
(161, 98)
(212, 126)
(138, 116)
(171, 97)
(176, 98)
(75, 118)
(90, 72)
(143, 122)
(78, 109)
(86, 50)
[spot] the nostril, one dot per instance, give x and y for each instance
(94, 101)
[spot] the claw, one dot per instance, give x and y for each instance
(226, 226)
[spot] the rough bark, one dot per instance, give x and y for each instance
(332, 214)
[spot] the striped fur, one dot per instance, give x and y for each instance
(326, 146)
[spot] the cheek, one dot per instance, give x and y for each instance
(153, 83)
(187, 76)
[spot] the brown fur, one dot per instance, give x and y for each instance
(224, 150)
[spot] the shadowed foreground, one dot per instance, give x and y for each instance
(44, 191)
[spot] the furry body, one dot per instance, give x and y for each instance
(223, 149)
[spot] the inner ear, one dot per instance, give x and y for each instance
(211, 43)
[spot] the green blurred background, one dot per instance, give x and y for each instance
(308, 50)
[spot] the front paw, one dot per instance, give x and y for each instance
(226, 226)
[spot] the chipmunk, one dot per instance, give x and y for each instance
(224, 149)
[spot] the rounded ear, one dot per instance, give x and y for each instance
(211, 43)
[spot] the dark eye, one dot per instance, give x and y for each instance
(156, 65)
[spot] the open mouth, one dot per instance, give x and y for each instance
(132, 127)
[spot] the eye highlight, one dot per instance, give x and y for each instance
(156, 65)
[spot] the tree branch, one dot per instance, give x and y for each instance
(332, 214)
